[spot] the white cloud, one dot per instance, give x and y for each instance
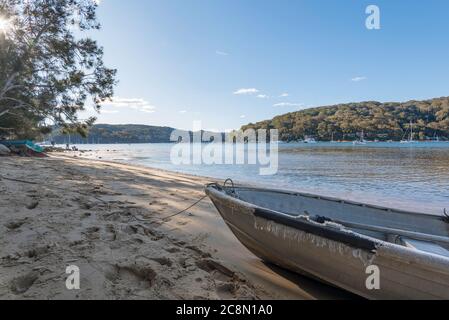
(183, 111)
(107, 111)
(358, 79)
(262, 96)
(246, 91)
(132, 103)
(221, 53)
(242, 116)
(284, 95)
(288, 104)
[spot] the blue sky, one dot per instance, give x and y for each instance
(230, 62)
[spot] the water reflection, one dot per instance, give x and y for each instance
(404, 176)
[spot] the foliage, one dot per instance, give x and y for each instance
(382, 121)
(105, 133)
(47, 73)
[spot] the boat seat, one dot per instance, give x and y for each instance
(425, 246)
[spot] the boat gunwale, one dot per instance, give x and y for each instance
(339, 200)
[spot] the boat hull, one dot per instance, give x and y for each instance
(332, 257)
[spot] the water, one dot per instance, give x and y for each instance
(408, 176)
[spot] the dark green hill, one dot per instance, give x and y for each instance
(129, 133)
(382, 121)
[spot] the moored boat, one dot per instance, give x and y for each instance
(410, 138)
(343, 243)
(360, 141)
(310, 140)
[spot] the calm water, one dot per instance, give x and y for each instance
(414, 177)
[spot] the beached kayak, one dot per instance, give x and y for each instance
(375, 252)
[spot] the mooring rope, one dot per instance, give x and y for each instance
(184, 210)
(192, 205)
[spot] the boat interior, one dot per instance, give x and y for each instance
(418, 231)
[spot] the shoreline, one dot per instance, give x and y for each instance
(378, 201)
(108, 217)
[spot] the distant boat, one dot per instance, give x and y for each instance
(341, 242)
(332, 138)
(436, 138)
(309, 140)
(361, 141)
(410, 139)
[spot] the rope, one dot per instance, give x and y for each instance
(182, 211)
(172, 215)
(226, 182)
(192, 205)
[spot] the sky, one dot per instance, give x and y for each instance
(227, 63)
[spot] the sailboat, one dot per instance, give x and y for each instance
(410, 139)
(361, 141)
(436, 138)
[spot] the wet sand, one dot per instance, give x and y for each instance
(110, 220)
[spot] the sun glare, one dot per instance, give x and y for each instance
(5, 24)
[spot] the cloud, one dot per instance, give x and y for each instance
(242, 116)
(262, 96)
(132, 103)
(358, 79)
(288, 104)
(284, 95)
(246, 91)
(183, 111)
(221, 53)
(106, 111)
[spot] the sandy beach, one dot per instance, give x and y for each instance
(115, 222)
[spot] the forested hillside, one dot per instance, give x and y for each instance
(105, 133)
(382, 121)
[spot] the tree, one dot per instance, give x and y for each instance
(47, 73)
(382, 121)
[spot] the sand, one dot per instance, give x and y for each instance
(110, 220)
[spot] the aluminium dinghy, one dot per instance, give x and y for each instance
(374, 252)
